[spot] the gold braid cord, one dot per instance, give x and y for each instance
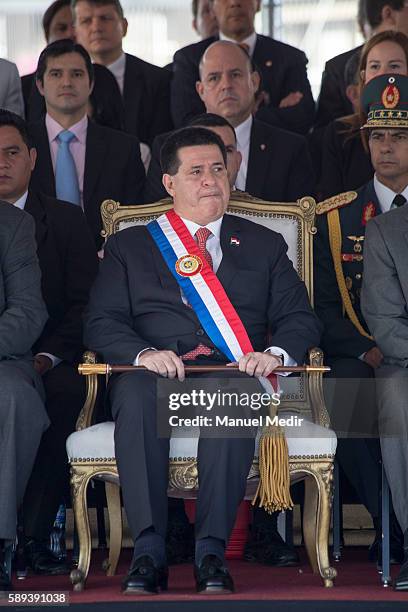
(333, 220)
(273, 492)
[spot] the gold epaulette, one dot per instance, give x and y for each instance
(337, 201)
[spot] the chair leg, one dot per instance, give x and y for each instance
(336, 514)
(317, 521)
(115, 526)
(80, 477)
(385, 520)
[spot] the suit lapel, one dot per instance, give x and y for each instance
(36, 210)
(230, 251)
(96, 148)
(44, 170)
(258, 160)
(132, 93)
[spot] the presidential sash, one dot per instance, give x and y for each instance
(201, 287)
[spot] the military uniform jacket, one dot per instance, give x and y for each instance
(345, 330)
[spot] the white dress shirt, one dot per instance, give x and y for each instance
(243, 133)
(250, 41)
(20, 203)
(213, 246)
(385, 195)
(118, 68)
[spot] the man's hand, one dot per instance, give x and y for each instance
(291, 99)
(42, 364)
(165, 363)
(374, 357)
(258, 364)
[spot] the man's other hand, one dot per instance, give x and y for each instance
(258, 364)
(291, 99)
(165, 363)
(42, 364)
(374, 357)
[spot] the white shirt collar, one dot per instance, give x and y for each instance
(118, 68)
(385, 195)
(21, 202)
(250, 41)
(243, 132)
(214, 227)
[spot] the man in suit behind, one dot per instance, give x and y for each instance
(101, 163)
(137, 314)
(69, 263)
(100, 26)
(285, 99)
(22, 316)
(276, 164)
(11, 96)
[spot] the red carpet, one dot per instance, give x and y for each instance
(358, 580)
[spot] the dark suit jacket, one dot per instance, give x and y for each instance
(135, 302)
(283, 70)
(341, 338)
(22, 309)
(113, 169)
(146, 95)
(346, 165)
(279, 166)
(69, 264)
(333, 102)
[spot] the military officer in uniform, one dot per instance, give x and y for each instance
(350, 350)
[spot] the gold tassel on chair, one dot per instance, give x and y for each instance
(273, 492)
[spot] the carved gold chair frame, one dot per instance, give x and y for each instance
(316, 470)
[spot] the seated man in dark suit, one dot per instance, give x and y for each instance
(79, 161)
(100, 26)
(22, 316)
(138, 313)
(276, 164)
(69, 263)
(285, 99)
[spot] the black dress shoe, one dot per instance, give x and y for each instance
(212, 577)
(267, 547)
(41, 560)
(144, 578)
(396, 543)
(401, 581)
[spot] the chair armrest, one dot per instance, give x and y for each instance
(86, 415)
(315, 385)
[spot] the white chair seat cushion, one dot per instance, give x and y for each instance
(97, 442)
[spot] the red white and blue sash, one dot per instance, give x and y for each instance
(201, 287)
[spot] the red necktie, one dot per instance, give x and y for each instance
(202, 235)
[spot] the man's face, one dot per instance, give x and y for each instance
(389, 153)
(99, 29)
(16, 164)
(227, 85)
(205, 23)
(66, 87)
(401, 19)
(61, 25)
(236, 17)
(233, 155)
(200, 188)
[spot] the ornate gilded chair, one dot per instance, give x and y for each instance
(312, 446)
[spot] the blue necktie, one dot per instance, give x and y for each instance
(66, 178)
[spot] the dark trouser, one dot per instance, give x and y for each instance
(352, 406)
(65, 395)
(143, 462)
(22, 422)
